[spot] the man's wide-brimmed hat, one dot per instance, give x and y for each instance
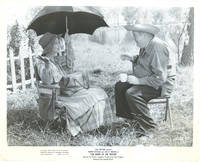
(143, 28)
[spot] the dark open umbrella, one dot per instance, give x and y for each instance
(53, 19)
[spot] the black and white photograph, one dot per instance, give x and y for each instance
(98, 82)
(100, 76)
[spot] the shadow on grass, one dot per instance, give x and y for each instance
(30, 118)
(25, 127)
(22, 115)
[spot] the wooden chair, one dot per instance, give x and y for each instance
(164, 100)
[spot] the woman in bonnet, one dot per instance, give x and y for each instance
(87, 109)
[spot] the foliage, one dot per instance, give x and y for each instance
(32, 40)
(99, 36)
(19, 41)
(158, 17)
(171, 21)
(130, 14)
(188, 50)
(15, 38)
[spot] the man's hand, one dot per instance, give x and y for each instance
(133, 80)
(126, 57)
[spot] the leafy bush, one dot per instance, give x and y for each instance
(19, 41)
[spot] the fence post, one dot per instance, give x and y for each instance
(22, 70)
(12, 64)
(31, 67)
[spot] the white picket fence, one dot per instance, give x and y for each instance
(14, 86)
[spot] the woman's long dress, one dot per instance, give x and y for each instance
(87, 109)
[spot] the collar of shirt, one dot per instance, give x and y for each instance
(148, 47)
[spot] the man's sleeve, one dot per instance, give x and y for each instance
(160, 59)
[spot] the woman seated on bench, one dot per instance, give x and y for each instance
(87, 108)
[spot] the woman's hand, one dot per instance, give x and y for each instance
(126, 57)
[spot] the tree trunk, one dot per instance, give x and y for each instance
(188, 49)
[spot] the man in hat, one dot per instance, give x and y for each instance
(150, 78)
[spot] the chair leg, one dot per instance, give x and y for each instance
(54, 97)
(168, 109)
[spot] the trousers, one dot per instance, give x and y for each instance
(131, 102)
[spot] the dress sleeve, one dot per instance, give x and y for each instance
(48, 75)
(159, 62)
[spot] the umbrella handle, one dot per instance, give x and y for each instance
(66, 20)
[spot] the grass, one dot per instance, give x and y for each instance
(25, 128)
